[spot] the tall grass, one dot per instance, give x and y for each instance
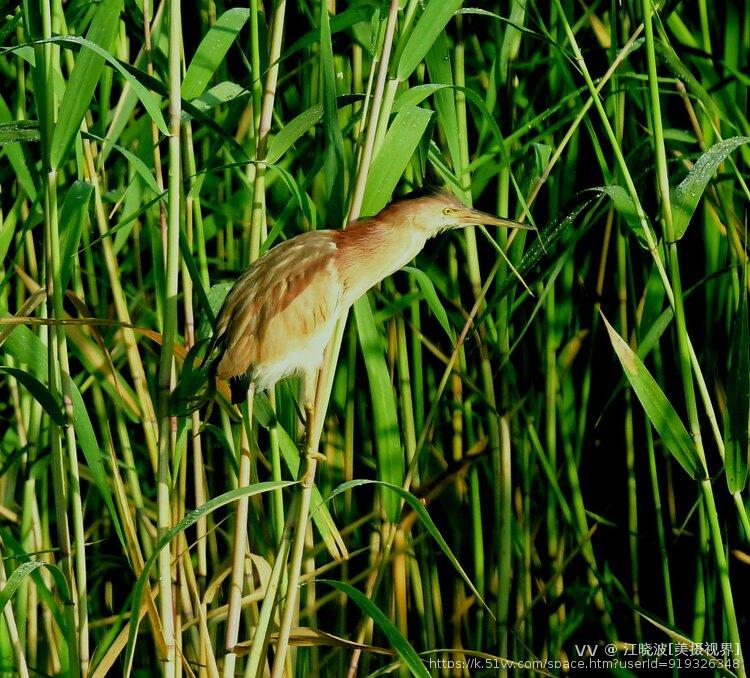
(514, 471)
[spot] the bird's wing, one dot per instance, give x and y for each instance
(298, 270)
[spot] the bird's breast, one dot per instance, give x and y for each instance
(368, 253)
(302, 352)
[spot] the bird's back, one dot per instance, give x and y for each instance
(280, 314)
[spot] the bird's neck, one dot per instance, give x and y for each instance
(369, 251)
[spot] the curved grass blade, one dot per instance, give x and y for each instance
(417, 94)
(92, 452)
(291, 132)
(400, 142)
(388, 448)
(26, 569)
(190, 519)
(686, 195)
(212, 50)
(67, 628)
(138, 165)
(658, 409)
(430, 526)
(431, 298)
(83, 80)
(294, 190)
(624, 205)
(130, 73)
(72, 217)
(431, 24)
(39, 392)
(738, 398)
(398, 642)
(333, 154)
(19, 130)
(66, 620)
(14, 547)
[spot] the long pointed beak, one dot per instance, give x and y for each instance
(468, 217)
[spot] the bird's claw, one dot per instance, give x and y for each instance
(318, 456)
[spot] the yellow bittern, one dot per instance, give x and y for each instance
(280, 314)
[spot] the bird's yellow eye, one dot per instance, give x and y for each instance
(448, 211)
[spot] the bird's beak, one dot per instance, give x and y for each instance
(469, 217)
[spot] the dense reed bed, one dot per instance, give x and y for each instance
(534, 471)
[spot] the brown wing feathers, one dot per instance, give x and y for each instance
(264, 291)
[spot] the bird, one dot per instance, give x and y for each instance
(280, 314)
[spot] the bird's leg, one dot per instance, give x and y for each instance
(311, 450)
(311, 445)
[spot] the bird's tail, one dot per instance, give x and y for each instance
(238, 387)
(196, 385)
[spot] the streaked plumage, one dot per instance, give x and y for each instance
(280, 314)
(294, 291)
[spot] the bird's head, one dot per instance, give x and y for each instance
(437, 211)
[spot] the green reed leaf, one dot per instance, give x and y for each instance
(292, 132)
(407, 653)
(388, 447)
(39, 392)
(424, 517)
(212, 50)
(189, 520)
(28, 568)
(624, 205)
(92, 451)
(658, 409)
(431, 298)
(19, 130)
(134, 76)
(394, 155)
(737, 422)
(686, 195)
(83, 80)
(72, 217)
(430, 25)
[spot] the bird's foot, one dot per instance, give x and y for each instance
(318, 456)
(309, 449)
